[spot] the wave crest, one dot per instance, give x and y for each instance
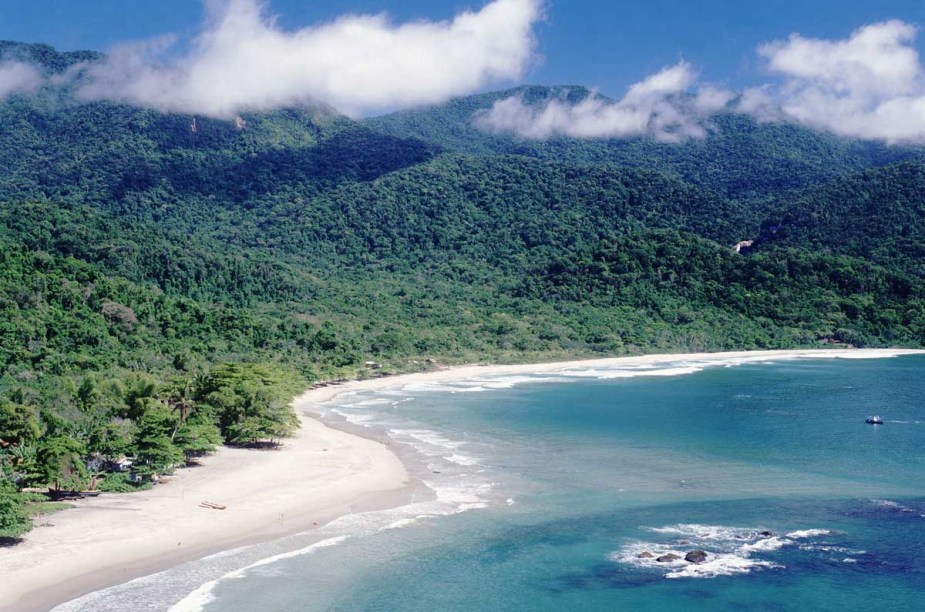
(730, 550)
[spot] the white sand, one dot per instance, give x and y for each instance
(115, 538)
(316, 476)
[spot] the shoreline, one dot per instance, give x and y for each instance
(464, 372)
(317, 476)
(275, 493)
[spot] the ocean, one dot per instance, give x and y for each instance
(559, 491)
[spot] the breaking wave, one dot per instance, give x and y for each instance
(729, 550)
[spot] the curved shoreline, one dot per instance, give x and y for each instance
(320, 474)
(113, 539)
(464, 372)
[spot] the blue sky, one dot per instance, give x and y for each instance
(607, 44)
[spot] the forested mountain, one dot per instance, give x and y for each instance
(45, 56)
(878, 214)
(742, 158)
(167, 282)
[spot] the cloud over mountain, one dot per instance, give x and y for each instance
(18, 77)
(242, 60)
(870, 85)
(658, 107)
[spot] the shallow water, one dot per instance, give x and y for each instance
(549, 487)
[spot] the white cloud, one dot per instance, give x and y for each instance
(870, 85)
(759, 103)
(659, 106)
(710, 99)
(18, 77)
(358, 63)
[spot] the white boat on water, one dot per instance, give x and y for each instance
(874, 420)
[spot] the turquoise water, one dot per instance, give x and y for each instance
(548, 488)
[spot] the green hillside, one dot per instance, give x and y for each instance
(742, 159)
(878, 214)
(167, 282)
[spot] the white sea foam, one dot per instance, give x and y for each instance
(471, 506)
(767, 545)
(730, 550)
(460, 386)
(717, 564)
(479, 384)
(508, 382)
(402, 523)
(886, 503)
(427, 441)
(883, 354)
(683, 367)
(224, 553)
(721, 565)
(808, 533)
(608, 374)
(462, 459)
(355, 418)
(299, 553)
(198, 599)
(339, 398)
(377, 401)
(828, 548)
(461, 493)
(201, 597)
(718, 533)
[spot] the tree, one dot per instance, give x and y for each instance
(112, 439)
(60, 462)
(197, 437)
(18, 424)
(250, 402)
(88, 394)
(19, 465)
(155, 450)
(140, 396)
(14, 519)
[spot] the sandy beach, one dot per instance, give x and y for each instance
(318, 475)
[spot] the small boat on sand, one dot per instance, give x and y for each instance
(874, 420)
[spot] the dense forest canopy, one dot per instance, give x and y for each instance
(168, 282)
(742, 158)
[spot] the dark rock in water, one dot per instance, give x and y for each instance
(646, 555)
(766, 534)
(696, 556)
(668, 558)
(684, 543)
